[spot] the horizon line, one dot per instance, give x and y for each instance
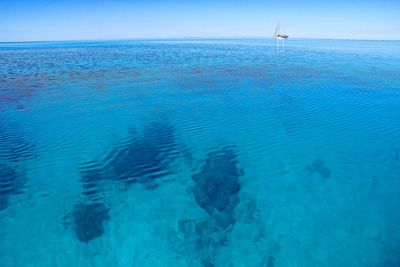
(187, 38)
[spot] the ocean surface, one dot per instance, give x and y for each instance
(200, 153)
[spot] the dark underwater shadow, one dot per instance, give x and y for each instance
(89, 219)
(216, 190)
(140, 160)
(11, 183)
(319, 166)
(14, 150)
(14, 146)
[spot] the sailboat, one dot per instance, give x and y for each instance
(278, 35)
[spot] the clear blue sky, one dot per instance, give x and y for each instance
(34, 20)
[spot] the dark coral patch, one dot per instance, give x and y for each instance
(91, 176)
(14, 146)
(145, 159)
(139, 160)
(9, 184)
(216, 191)
(217, 184)
(89, 220)
(396, 156)
(319, 167)
(14, 149)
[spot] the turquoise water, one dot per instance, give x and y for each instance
(200, 153)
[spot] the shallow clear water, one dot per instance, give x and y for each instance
(200, 153)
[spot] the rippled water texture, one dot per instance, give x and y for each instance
(200, 153)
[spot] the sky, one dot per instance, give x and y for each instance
(45, 20)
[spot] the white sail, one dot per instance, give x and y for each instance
(277, 29)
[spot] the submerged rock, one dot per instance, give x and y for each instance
(89, 220)
(319, 167)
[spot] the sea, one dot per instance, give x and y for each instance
(200, 152)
